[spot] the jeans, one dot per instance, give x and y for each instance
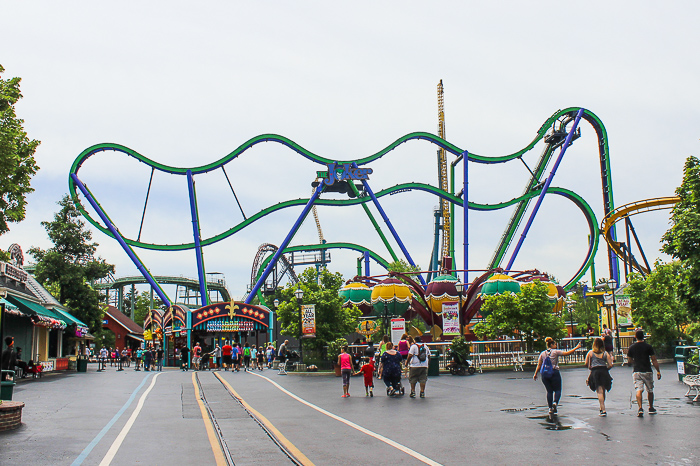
(553, 386)
(160, 364)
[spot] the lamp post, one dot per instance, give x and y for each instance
(273, 336)
(612, 284)
(460, 290)
(570, 307)
(299, 294)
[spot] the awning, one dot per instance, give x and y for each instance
(69, 317)
(44, 316)
(137, 338)
(11, 308)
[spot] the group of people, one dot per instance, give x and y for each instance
(409, 357)
(149, 358)
(11, 359)
(231, 356)
(599, 360)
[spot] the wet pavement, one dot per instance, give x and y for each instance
(491, 418)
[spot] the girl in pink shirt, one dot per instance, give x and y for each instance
(345, 362)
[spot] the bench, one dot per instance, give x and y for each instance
(693, 383)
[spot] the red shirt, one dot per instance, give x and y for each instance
(226, 350)
(368, 370)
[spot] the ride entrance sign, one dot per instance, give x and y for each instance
(398, 328)
(450, 318)
(308, 321)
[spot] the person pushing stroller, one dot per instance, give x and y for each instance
(390, 370)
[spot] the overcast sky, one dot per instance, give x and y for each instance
(185, 83)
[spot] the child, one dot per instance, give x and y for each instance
(368, 370)
(261, 358)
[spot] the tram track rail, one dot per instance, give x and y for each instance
(288, 450)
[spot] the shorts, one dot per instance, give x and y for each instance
(196, 360)
(226, 359)
(643, 379)
(418, 374)
(346, 376)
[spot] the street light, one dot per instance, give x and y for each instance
(460, 290)
(299, 294)
(612, 284)
(273, 335)
(570, 306)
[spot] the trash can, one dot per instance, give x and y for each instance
(682, 355)
(7, 386)
(434, 364)
(82, 364)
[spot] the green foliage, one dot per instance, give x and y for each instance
(334, 348)
(71, 265)
(404, 267)
(104, 337)
(460, 346)
(682, 240)
(332, 320)
(143, 304)
(585, 313)
(527, 314)
(656, 306)
(17, 164)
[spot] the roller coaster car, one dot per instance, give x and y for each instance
(460, 365)
(340, 187)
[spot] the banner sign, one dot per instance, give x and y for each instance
(232, 310)
(367, 327)
(450, 318)
(308, 320)
(398, 328)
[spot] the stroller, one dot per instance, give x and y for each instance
(34, 369)
(204, 363)
(460, 365)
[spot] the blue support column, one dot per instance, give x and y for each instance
(366, 254)
(465, 204)
(197, 240)
(127, 249)
(284, 244)
(544, 189)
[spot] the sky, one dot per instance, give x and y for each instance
(186, 83)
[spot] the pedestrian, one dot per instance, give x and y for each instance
(418, 360)
(551, 377)
(254, 356)
(261, 358)
(9, 356)
(270, 354)
(403, 348)
(641, 356)
(236, 356)
(103, 358)
(390, 368)
(159, 358)
(608, 339)
(139, 357)
(367, 370)
(217, 357)
(247, 355)
(122, 359)
(282, 358)
(599, 362)
(196, 356)
(226, 352)
(184, 358)
(147, 359)
(345, 363)
(20, 363)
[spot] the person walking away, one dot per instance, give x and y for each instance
(9, 357)
(159, 358)
(367, 370)
(282, 358)
(261, 358)
(403, 348)
(390, 368)
(270, 353)
(345, 363)
(217, 357)
(599, 362)
(226, 352)
(147, 359)
(196, 356)
(139, 357)
(254, 356)
(551, 377)
(184, 358)
(236, 356)
(246, 357)
(641, 356)
(122, 359)
(608, 339)
(418, 360)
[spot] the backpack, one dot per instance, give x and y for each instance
(246, 351)
(422, 353)
(547, 369)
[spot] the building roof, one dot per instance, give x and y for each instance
(123, 320)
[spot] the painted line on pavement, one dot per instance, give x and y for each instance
(79, 460)
(364, 430)
(209, 425)
(291, 448)
(107, 460)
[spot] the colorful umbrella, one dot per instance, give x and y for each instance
(441, 289)
(393, 293)
(359, 294)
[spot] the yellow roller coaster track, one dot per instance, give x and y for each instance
(627, 210)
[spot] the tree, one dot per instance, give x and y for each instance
(656, 305)
(585, 311)
(17, 164)
(71, 264)
(527, 314)
(682, 240)
(333, 321)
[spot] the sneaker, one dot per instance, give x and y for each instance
(640, 413)
(652, 410)
(371, 394)
(554, 408)
(422, 394)
(602, 413)
(367, 394)
(392, 392)
(343, 396)
(412, 395)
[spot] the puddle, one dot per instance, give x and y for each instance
(515, 410)
(552, 422)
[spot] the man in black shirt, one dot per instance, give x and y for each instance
(641, 355)
(9, 357)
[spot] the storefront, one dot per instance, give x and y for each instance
(127, 333)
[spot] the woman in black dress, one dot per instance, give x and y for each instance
(599, 362)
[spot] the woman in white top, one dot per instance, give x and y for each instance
(552, 383)
(599, 362)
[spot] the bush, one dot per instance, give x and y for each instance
(334, 349)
